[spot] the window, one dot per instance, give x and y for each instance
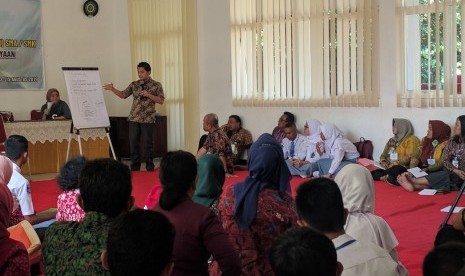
(304, 52)
(431, 56)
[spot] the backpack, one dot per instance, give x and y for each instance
(365, 148)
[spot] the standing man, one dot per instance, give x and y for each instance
(216, 143)
(146, 93)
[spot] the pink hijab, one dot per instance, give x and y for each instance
(6, 200)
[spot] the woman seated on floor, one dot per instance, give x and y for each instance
(199, 233)
(210, 181)
(259, 209)
(358, 193)
(338, 151)
(14, 259)
(68, 208)
(453, 173)
(431, 157)
(400, 152)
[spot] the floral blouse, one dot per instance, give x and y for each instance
(67, 207)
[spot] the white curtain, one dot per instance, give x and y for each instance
(304, 52)
(164, 33)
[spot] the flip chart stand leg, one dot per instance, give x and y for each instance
(69, 140)
(79, 141)
(111, 144)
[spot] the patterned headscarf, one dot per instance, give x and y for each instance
(441, 133)
(210, 179)
(6, 200)
(267, 170)
(404, 129)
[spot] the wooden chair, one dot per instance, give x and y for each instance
(36, 115)
(7, 116)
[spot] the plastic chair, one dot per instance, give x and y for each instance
(25, 233)
(36, 115)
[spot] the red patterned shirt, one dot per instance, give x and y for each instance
(275, 214)
(67, 207)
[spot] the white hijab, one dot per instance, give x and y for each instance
(356, 185)
(331, 133)
(314, 129)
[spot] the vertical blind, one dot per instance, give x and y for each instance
(163, 33)
(304, 52)
(430, 60)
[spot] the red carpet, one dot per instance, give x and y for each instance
(413, 218)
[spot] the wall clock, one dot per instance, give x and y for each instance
(90, 8)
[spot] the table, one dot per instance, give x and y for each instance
(48, 142)
(119, 133)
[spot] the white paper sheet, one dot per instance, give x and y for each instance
(456, 209)
(427, 192)
(417, 172)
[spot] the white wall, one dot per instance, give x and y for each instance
(372, 123)
(72, 39)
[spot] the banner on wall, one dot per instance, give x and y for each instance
(21, 64)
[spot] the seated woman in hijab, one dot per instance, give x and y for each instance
(338, 151)
(358, 194)
(259, 209)
(430, 152)
(14, 259)
(452, 175)
(400, 151)
(55, 108)
(210, 181)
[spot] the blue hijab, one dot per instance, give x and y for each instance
(267, 169)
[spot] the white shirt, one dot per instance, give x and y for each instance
(21, 189)
(300, 147)
(341, 149)
(363, 258)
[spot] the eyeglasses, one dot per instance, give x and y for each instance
(282, 120)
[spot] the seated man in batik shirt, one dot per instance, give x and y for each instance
(240, 139)
(216, 143)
